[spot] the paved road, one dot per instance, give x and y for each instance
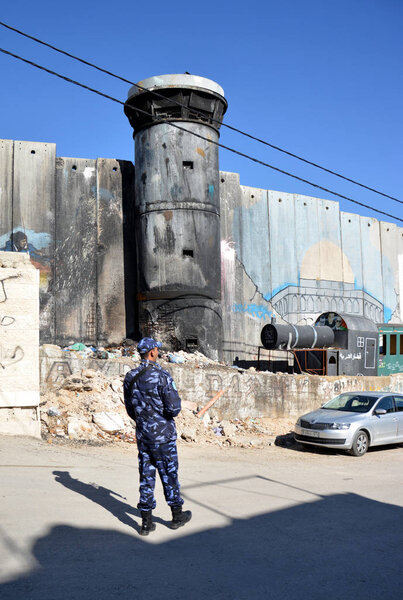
(268, 524)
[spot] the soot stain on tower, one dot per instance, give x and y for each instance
(177, 204)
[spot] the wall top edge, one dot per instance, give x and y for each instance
(52, 144)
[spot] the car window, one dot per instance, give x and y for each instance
(351, 402)
(399, 403)
(386, 404)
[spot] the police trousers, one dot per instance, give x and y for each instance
(164, 459)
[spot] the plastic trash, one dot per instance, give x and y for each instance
(78, 346)
(53, 412)
(174, 358)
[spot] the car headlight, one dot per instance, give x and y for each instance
(339, 426)
(298, 422)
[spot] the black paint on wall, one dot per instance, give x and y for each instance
(129, 249)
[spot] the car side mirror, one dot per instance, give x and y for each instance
(380, 411)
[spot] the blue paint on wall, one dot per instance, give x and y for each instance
(106, 194)
(279, 289)
(255, 310)
(211, 190)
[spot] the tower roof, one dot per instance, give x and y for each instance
(176, 81)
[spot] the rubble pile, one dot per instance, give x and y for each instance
(89, 406)
(128, 349)
(79, 350)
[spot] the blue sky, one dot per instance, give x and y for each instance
(321, 79)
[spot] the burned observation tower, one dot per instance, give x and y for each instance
(176, 119)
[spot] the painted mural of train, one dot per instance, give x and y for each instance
(339, 344)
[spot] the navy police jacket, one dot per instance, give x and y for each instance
(152, 400)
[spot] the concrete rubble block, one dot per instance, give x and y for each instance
(51, 351)
(108, 421)
(189, 405)
(117, 386)
(206, 419)
(20, 421)
(89, 373)
(80, 428)
(73, 383)
(188, 434)
(229, 429)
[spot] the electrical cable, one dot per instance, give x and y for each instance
(232, 128)
(256, 160)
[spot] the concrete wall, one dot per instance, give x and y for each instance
(294, 257)
(247, 393)
(68, 214)
(282, 255)
(19, 345)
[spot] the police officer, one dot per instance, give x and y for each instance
(152, 401)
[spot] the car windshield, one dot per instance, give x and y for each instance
(351, 403)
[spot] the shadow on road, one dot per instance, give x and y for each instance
(335, 547)
(106, 498)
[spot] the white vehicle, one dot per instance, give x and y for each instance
(354, 421)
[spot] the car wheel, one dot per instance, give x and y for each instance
(360, 444)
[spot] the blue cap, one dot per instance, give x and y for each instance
(147, 344)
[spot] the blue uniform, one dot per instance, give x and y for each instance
(152, 401)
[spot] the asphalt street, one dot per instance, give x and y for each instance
(270, 524)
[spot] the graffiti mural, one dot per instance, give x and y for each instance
(36, 245)
(332, 320)
(306, 258)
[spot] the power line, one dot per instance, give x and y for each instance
(256, 160)
(231, 127)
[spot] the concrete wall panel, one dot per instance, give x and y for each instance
(372, 283)
(282, 235)
(111, 323)
(129, 248)
(34, 217)
(351, 247)
(390, 270)
(398, 312)
(331, 268)
(76, 251)
(231, 271)
(6, 191)
(251, 229)
(244, 256)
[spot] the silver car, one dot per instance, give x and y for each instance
(354, 421)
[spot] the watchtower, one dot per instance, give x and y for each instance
(176, 120)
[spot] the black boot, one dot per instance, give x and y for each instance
(147, 524)
(179, 517)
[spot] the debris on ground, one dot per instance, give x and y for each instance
(128, 349)
(89, 406)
